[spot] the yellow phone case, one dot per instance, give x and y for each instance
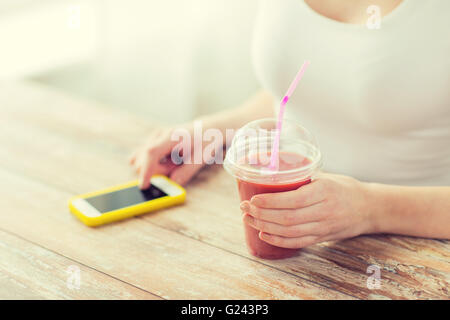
(130, 211)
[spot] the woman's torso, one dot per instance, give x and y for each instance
(377, 100)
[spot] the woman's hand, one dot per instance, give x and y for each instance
(154, 157)
(329, 208)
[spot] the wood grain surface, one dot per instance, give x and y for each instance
(54, 146)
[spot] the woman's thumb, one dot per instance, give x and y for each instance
(184, 173)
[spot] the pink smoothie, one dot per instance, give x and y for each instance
(247, 190)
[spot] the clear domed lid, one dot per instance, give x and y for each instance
(249, 155)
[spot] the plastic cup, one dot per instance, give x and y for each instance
(248, 160)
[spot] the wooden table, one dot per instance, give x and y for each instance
(53, 146)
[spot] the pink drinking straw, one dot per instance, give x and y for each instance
(276, 145)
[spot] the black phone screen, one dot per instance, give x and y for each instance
(124, 198)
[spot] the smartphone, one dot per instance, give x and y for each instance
(125, 201)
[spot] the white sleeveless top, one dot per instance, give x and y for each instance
(377, 100)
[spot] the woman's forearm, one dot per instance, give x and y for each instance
(258, 106)
(415, 211)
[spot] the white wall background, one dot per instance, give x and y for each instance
(169, 60)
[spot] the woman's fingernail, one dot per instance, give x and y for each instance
(255, 201)
(244, 206)
(142, 185)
